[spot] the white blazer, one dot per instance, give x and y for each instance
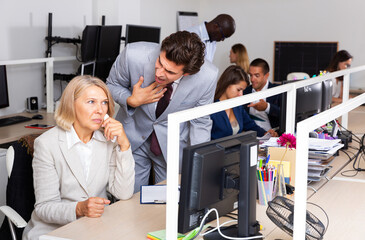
(59, 181)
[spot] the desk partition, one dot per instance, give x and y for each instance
(173, 130)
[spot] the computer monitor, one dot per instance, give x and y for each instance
(308, 103)
(109, 43)
(220, 174)
(326, 94)
(138, 33)
(89, 43)
(4, 95)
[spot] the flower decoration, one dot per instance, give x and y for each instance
(287, 140)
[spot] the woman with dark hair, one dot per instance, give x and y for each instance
(234, 120)
(238, 55)
(340, 61)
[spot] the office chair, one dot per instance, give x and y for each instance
(20, 197)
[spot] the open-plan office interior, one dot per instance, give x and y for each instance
(259, 26)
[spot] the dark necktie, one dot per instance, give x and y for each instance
(161, 106)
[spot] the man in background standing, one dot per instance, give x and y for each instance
(221, 27)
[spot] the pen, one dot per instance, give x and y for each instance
(267, 159)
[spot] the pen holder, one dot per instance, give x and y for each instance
(265, 189)
(279, 188)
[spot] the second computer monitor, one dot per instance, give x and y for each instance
(327, 94)
(109, 43)
(89, 43)
(138, 33)
(308, 103)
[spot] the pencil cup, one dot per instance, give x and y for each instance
(265, 189)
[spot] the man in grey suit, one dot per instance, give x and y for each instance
(142, 78)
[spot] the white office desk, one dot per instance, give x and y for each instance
(344, 203)
(14, 132)
(121, 220)
(132, 219)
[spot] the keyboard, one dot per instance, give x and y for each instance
(13, 120)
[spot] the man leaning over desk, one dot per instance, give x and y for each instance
(144, 79)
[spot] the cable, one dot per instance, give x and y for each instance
(218, 227)
(348, 131)
(356, 157)
(77, 53)
(234, 217)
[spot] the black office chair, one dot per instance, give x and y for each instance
(20, 197)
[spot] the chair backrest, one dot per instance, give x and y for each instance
(297, 76)
(20, 190)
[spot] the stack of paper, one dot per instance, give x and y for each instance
(323, 148)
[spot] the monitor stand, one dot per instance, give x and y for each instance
(248, 225)
(230, 231)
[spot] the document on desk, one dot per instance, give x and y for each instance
(153, 194)
(322, 144)
(272, 142)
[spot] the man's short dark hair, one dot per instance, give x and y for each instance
(184, 48)
(259, 62)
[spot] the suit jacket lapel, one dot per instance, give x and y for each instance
(149, 78)
(72, 160)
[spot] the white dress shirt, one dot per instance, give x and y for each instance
(264, 121)
(210, 47)
(84, 150)
(337, 88)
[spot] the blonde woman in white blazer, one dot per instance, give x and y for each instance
(75, 163)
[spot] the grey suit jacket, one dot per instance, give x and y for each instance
(138, 59)
(59, 181)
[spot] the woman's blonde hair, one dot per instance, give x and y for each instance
(242, 56)
(65, 113)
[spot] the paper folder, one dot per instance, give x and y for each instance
(276, 154)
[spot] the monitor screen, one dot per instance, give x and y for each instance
(308, 103)
(220, 174)
(4, 96)
(137, 33)
(89, 43)
(308, 57)
(109, 43)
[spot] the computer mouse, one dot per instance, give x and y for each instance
(37, 116)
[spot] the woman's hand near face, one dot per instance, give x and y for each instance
(92, 207)
(114, 128)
